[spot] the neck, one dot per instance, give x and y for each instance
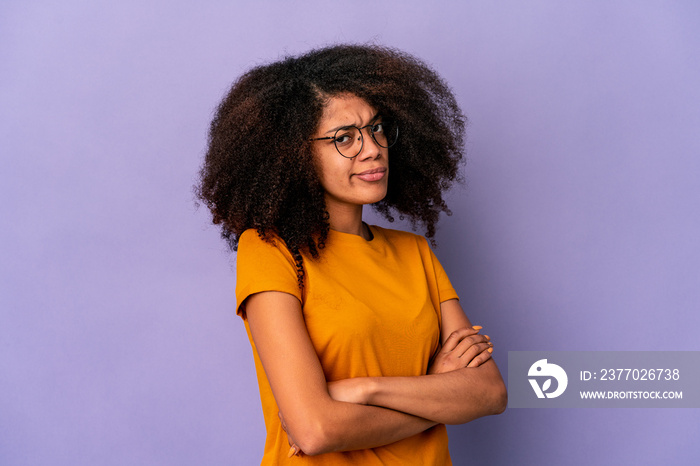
(348, 220)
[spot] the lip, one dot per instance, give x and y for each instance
(373, 174)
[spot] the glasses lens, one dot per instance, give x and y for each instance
(385, 133)
(348, 141)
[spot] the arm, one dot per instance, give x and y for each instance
(453, 397)
(316, 422)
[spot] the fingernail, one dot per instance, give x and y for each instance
(487, 337)
(292, 452)
(477, 327)
(490, 344)
(490, 350)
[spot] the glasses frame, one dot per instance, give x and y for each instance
(378, 120)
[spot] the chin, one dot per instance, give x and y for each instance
(375, 195)
(375, 199)
(357, 197)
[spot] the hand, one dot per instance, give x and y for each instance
(349, 390)
(294, 450)
(465, 347)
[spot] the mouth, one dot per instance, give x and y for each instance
(374, 174)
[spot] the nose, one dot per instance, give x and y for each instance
(370, 148)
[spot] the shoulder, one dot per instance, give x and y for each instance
(251, 239)
(401, 238)
(406, 241)
(263, 264)
(253, 247)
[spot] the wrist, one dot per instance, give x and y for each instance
(370, 389)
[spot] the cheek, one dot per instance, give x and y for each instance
(332, 172)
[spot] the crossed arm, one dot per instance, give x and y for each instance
(463, 384)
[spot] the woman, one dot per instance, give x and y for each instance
(362, 350)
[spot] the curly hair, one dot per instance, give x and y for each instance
(259, 170)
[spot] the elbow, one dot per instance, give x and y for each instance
(311, 445)
(499, 399)
(314, 438)
(493, 400)
(495, 395)
(315, 444)
(309, 439)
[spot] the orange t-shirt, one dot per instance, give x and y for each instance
(372, 309)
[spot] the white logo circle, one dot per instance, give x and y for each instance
(542, 369)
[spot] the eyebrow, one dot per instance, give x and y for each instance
(371, 120)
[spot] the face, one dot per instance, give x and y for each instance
(350, 183)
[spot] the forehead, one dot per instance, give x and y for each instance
(346, 109)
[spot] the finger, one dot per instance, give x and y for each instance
(481, 358)
(463, 346)
(293, 450)
(457, 336)
(284, 424)
(474, 350)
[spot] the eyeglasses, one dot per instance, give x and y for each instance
(349, 141)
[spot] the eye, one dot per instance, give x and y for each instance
(345, 137)
(378, 128)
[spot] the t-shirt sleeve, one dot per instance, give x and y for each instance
(445, 288)
(261, 266)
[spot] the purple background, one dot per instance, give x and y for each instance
(577, 229)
